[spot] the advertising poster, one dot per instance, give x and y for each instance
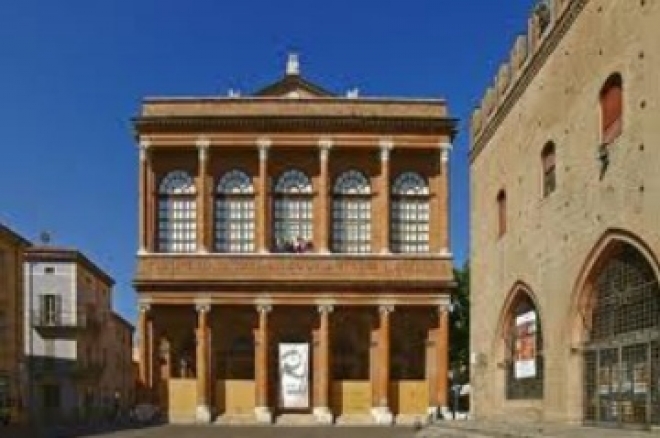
(294, 376)
(525, 348)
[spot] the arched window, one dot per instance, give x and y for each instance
(549, 168)
(410, 214)
(611, 108)
(524, 346)
(501, 212)
(234, 213)
(293, 212)
(351, 213)
(177, 213)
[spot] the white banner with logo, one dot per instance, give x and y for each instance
(294, 376)
(525, 348)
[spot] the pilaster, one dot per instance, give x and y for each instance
(381, 411)
(263, 146)
(203, 413)
(144, 195)
(442, 198)
(323, 230)
(386, 146)
(322, 376)
(442, 357)
(262, 410)
(202, 195)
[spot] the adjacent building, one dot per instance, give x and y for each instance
(294, 254)
(78, 350)
(565, 237)
(12, 359)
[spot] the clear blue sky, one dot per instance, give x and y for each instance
(72, 74)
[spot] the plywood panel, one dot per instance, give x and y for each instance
(182, 397)
(351, 397)
(235, 396)
(409, 396)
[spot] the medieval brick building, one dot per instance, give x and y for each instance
(565, 241)
(294, 254)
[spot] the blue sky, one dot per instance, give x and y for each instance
(72, 74)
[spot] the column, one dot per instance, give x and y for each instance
(442, 357)
(263, 145)
(143, 332)
(262, 410)
(203, 412)
(383, 213)
(323, 373)
(381, 411)
(324, 223)
(442, 198)
(144, 196)
(202, 195)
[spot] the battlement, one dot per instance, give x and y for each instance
(548, 22)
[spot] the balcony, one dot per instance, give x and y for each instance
(59, 324)
(307, 268)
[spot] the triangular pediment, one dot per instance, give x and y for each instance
(293, 86)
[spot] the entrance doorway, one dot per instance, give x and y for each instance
(621, 359)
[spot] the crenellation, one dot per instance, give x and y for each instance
(541, 25)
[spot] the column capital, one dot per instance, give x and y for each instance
(203, 144)
(386, 145)
(264, 308)
(325, 144)
(144, 149)
(445, 148)
(263, 144)
(203, 307)
(144, 307)
(325, 308)
(386, 309)
(445, 308)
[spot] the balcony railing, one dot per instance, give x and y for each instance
(292, 268)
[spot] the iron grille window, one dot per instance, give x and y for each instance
(410, 214)
(351, 213)
(525, 365)
(234, 213)
(177, 213)
(293, 213)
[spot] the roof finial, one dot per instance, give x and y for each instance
(292, 65)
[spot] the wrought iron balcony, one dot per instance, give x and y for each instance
(56, 323)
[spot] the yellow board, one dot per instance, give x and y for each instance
(409, 396)
(235, 396)
(182, 399)
(351, 397)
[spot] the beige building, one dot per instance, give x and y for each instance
(294, 254)
(565, 214)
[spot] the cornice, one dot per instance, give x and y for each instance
(518, 86)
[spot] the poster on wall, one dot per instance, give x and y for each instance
(525, 348)
(294, 376)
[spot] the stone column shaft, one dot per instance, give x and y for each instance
(143, 332)
(383, 381)
(202, 196)
(442, 198)
(263, 145)
(144, 196)
(261, 356)
(324, 211)
(203, 354)
(384, 195)
(442, 356)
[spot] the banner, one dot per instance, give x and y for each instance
(525, 354)
(294, 376)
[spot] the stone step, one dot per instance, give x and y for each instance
(236, 419)
(296, 419)
(355, 419)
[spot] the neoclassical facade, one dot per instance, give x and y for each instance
(565, 241)
(294, 255)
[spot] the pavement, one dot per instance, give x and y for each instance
(448, 429)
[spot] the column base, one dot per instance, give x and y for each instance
(203, 414)
(263, 415)
(323, 415)
(382, 415)
(440, 413)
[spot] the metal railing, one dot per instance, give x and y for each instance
(42, 319)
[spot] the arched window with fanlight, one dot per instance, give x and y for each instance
(177, 213)
(234, 213)
(351, 213)
(524, 348)
(293, 218)
(611, 108)
(410, 214)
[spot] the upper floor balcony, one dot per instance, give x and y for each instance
(62, 324)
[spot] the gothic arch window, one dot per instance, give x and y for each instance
(524, 350)
(293, 217)
(548, 161)
(501, 213)
(177, 213)
(622, 351)
(234, 213)
(351, 213)
(611, 108)
(410, 214)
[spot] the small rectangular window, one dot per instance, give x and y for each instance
(49, 270)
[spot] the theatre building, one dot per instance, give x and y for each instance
(565, 214)
(294, 257)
